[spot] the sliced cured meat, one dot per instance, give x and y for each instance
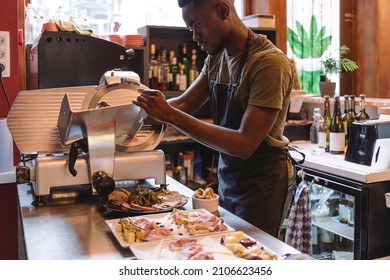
(188, 249)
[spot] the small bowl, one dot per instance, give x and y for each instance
(210, 204)
(387, 195)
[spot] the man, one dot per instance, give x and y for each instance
(248, 81)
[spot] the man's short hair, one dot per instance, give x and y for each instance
(183, 3)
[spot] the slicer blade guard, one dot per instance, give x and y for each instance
(72, 125)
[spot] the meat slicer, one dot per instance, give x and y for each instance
(73, 140)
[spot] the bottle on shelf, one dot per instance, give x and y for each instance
(164, 70)
(182, 78)
(314, 133)
(327, 122)
(185, 62)
(337, 134)
(152, 67)
(171, 56)
(173, 75)
(159, 69)
(362, 115)
(352, 111)
(346, 118)
(193, 68)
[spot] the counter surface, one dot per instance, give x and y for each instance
(78, 230)
(336, 165)
(8, 177)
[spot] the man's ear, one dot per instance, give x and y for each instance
(223, 9)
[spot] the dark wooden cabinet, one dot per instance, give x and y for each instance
(172, 38)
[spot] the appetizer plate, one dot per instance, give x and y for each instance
(170, 200)
(201, 248)
(165, 220)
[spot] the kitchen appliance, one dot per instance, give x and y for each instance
(350, 219)
(369, 143)
(74, 141)
(68, 59)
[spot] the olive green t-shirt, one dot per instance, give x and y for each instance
(266, 81)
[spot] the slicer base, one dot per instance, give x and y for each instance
(52, 171)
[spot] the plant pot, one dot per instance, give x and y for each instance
(327, 88)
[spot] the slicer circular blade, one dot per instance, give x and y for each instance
(148, 137)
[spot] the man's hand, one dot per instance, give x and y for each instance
(154, 103)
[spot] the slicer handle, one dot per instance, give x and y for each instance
(74, 153)
(103, 183)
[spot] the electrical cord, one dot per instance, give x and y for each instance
(2, 68)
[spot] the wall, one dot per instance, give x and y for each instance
(9, 22)
(9, 16)
(373, 48)
(277, 8)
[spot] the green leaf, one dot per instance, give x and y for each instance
(321, 33)
(295, 43)
(313, 29)
(321, 46)
(348, 65)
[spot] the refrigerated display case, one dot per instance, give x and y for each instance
(350, 219)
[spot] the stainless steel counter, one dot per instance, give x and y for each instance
(78, 230)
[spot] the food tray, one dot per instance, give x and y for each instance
(210, 244)
(161, 219)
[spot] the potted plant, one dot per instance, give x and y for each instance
(332, 65)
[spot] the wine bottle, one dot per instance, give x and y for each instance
(337, 134)
(327, 122)
(186, 62)
(352, 111)
(362, 115)
(346, 118)
(193, 68)
(153, 70)
(174, 72)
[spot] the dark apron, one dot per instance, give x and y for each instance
(254, 189)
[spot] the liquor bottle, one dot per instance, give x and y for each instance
(327, 122)
(352, 111)
(337, 134)
(314, 133)
(193, 68)
(164, 70)
(173, 75)
(185, 62)
(159, 69)
(153, 71)
(171, 56)
(182, 78)
(346, 118)
(362, 115)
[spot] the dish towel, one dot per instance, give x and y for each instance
(298, 233)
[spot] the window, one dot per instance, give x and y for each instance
(313, 32)
(103, 16)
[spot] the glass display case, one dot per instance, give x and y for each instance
(349, 219)
(333, 223)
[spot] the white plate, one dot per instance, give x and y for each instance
(162, 219)
(158, 250)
